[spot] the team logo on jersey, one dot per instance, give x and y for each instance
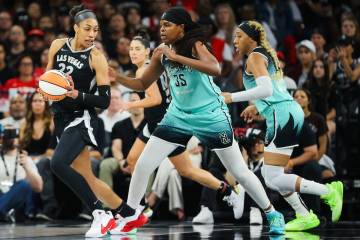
(224, 138)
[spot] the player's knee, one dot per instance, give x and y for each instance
(274, 177)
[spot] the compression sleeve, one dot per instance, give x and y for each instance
(263, 89)
(99, 101)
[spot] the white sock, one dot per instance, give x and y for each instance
(297, 204)
(312, 187)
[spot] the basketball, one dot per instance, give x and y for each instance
(53, 85)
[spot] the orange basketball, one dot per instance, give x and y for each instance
(53, 85)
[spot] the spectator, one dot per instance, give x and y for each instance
(347, 69)
(277, 14)
(35, 44)
(168, 177)
(114, 32)
(36, 131)
(24, 83)
(123, 136)
(17, 40)
(122, 54)
(34, 12)
(318, 39)
(113, 114)
(350, 28)
(306, 52)
(318, 126)
(222, 40)
(18, 178)
(323, 92)
(63, 21)
(46, 22)
(5, 25)
(6, 72)
(17, 112)
(133, 20)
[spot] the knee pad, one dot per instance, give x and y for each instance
(276, 179)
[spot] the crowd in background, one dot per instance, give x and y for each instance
(317, 43)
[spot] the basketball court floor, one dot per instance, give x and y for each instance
(175, 231)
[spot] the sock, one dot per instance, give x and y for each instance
(297, 204)
(124, 210)
(98, 204)
(312, 187)
(269, 210)
(224, 189)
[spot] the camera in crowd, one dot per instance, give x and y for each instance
(8, 135)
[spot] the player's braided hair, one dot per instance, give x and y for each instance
(263, 41)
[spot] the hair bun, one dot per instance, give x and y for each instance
(142, 33)
(74, 10)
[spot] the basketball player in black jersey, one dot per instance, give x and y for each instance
(155, 101)
(76, 125)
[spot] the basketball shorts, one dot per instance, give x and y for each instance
(211, 126)
(284, 122)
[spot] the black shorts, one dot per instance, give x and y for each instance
(148, 130)
(87, 125)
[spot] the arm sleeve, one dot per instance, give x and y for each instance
(263, 89)
(99, 101)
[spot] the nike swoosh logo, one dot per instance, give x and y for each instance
(109, 225)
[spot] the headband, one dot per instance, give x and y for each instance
(84, 14)
(179, 16)
(250, 31)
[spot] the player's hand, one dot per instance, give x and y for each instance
(169, 53)
(249, 114)
(227, 97)
(72, 92)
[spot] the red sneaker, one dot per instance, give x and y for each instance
(141, 221)
(125, 225)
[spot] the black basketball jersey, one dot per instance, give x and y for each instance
(156, 113)
(77, 65)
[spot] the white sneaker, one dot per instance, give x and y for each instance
(102, 223)
(255, 216)
(236, 200)
(205, 216)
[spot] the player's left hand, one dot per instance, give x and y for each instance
(72, 92)
(249, 114)
(168, 52)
